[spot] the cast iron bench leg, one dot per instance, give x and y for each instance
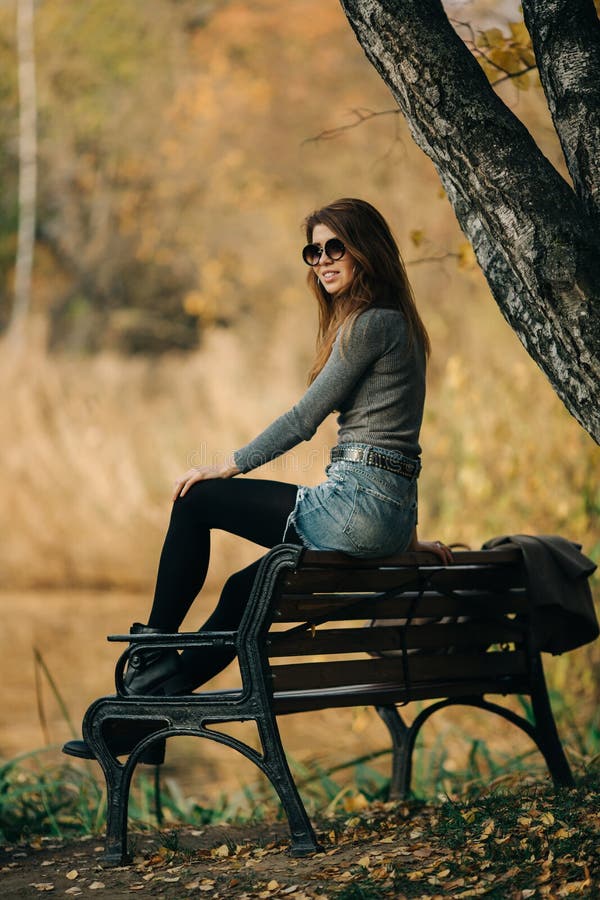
(401, 763)
(275, 764)
(118, 780)
(547, 737)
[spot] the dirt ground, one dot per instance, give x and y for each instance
(214, 862)
(533, 843)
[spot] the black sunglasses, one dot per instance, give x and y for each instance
(333, 248)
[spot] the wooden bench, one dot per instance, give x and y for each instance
(307, 604)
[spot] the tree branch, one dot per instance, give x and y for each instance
(532, 237)
(566, 40)
(361, 114)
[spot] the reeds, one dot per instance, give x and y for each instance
(93, 445)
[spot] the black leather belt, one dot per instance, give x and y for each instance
(405, 466)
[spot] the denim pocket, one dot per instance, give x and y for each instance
(379, 524)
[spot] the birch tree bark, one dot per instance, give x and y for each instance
(535, 236)
(27, 172)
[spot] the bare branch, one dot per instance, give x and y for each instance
(362, 114)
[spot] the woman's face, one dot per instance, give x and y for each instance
(334, 275)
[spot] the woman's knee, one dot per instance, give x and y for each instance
(198, 502)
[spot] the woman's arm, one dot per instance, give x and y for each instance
(368, 339)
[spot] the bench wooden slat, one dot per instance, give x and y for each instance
(308, 607)
(286, 702)
(355, 640)
(509, 553)
(307, 676)
(457, 577)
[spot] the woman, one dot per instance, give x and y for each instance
(370, 367)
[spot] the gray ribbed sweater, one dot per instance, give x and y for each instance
(375, 382)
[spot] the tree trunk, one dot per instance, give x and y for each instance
(566, 40)
(533, 235)
(27, 172)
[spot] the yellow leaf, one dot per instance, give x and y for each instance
(466, 259)
(507, 59)
(524, 820)
(527, 56)
(415, 875)
(417, 236)
(547, 818)
(489, 828)
(356, 802)
(519, 33)
(223, 850)
(72, 874)
(522, 82)
(495, 37)
(575, 887)
(365, 862)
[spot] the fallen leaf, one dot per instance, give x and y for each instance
(574, 887)
(488, 830)
(43, 886)
(96, 885)
(72, 875)
(272, 885)
(221, 851)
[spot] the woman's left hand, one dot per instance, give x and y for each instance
(441, 550)
(199, 473)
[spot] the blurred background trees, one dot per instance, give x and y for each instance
(173, 172)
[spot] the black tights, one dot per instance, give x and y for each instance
(252, 508)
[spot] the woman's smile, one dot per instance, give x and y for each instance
(335, 276)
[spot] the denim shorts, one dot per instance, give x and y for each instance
(360, 510)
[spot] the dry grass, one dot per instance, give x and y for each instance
(92, 446)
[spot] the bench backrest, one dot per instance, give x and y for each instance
(461, 627)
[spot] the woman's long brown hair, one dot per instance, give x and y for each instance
(380, 279)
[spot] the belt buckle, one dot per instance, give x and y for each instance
(354, 454)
